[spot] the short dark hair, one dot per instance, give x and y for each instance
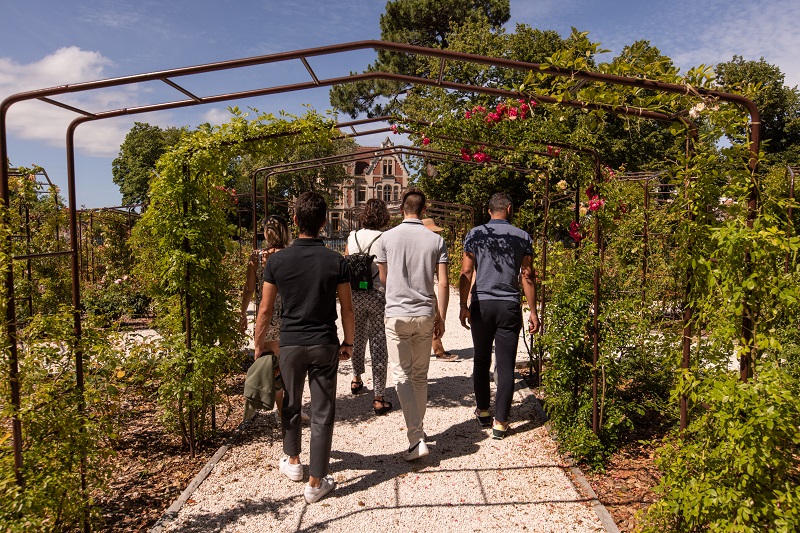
(311, 213)
(413, 202)
(375, 214)
(500, 202)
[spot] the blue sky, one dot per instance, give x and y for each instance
(46, 43)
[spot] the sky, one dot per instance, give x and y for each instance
(53, 42)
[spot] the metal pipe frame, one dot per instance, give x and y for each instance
(165, 76)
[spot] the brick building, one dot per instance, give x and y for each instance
(376, 175)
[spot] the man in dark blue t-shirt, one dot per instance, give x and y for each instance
(308, 276)
(501, 255)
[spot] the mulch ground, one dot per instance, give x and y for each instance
(151, 467)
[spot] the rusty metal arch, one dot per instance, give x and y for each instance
(165, 76)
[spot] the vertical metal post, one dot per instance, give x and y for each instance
(10, 319)
(188, 328)
(91, 244)
(28, 263)
(686, 341)
(543, 274)
(789, 215)
(595, 326)
(76, 303)
(645, 240)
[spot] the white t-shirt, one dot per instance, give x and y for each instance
(365, 236)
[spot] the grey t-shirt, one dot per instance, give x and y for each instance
(411, 253)
(498, 248)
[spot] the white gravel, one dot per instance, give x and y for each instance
(469, 482)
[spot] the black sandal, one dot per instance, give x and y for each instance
(356, 386)
(384, 408)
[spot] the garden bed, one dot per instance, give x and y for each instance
(151, 468)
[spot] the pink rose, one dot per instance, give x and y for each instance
(426, 141)
(467, 115)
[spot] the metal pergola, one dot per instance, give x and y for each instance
(187, 99)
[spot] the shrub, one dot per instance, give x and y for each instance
(737, 466)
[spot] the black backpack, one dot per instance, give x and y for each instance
(361, 276)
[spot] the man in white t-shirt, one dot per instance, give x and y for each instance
(408, 256)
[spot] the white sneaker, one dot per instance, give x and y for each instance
(293, 472)
(315, 494)
(420, 449)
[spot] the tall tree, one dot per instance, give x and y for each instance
(138, 153)
(778, 104)
(419, 22)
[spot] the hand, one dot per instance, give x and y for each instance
(345, 353)
(466, 318)
(438, 327)
(533, 323)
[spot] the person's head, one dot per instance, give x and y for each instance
(375, 214)
(276, 232)
(413, 202)
(310, 213)
(501, 205)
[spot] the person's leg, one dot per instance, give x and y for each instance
(398, 343)
(420, 362)
(361, 311)
(293, 372)
(323, 364)
(483, 330)
(437, 348)
(377, 342)
(509, 322)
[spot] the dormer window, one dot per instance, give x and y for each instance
(388, 167)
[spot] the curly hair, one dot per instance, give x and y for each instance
(375, 215)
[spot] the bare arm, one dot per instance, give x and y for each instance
(442, 300)
(268, 294)
(464, 285)
(529, 289)
(348, 319)
(247, 291)
(382, 272)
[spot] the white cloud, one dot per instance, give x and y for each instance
(34, 120)
(752, 30)
(217, 116)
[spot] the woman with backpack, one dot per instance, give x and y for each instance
(369, 302)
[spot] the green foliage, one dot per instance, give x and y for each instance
(39, 219)
(133, 168)
(115, 298)
(417, 22)
(778, 104)
(736, 467)
(65, 430)
(191, 266)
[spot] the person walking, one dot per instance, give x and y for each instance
(276, 237)
(501, 255)
(408, 256)
(308, 339)
(369, 305)
(436, 346)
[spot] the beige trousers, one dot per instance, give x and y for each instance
(408, 341)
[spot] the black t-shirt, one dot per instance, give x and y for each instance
(307, 275)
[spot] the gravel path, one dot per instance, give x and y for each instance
(469, 482)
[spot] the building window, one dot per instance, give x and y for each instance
(387, 193)
(378, 190)
(396, 195)
(336, 223)
(388, 167)
(361, 195)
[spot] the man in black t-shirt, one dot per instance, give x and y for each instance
(308, 276)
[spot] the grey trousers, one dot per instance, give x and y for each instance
(321, 364)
